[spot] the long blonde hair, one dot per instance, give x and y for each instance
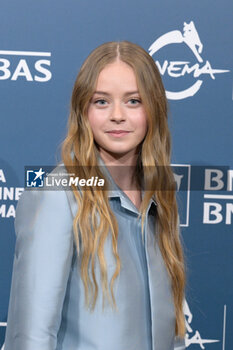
(79, 151)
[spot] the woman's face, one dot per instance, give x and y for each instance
(116, 114)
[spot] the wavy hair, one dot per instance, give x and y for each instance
(80, 152)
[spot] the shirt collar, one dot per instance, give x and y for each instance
(116, 191)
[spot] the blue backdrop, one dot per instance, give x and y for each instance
(42, 46)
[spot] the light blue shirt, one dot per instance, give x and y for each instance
(46, 308)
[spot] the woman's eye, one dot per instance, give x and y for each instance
(134, 101)
(100, 102)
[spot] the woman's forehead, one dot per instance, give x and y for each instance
(117, 75)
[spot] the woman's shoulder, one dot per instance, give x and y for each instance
(55, 196)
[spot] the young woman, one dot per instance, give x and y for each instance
(78, 248)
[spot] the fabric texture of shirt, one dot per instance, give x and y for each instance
(46, 308)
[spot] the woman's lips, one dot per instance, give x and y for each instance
(118, 133)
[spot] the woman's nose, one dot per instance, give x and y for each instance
(117, 113)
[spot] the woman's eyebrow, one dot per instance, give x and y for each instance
(107, 94)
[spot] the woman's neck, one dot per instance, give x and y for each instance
(122, 169)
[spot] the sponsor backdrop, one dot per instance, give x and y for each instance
(42, 45)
